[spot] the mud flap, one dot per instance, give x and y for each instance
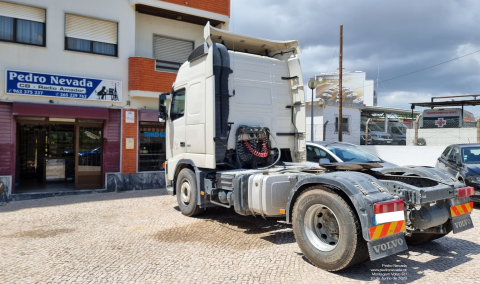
(461, 223)
(386, 246)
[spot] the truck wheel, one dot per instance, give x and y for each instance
(327, 230)
(187, 193)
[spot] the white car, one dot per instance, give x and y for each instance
(353, 95)
(337, 152)
(326, 95)
(328, 91)
(358, 100)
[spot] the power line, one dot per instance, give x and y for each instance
(333, 56)
(430, 66)
(456, 58)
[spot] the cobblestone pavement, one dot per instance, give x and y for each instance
(141, 237)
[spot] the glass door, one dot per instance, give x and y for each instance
(88, 157)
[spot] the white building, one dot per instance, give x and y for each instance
(79, 86)
(328, 131)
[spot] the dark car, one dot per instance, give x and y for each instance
(463, 161)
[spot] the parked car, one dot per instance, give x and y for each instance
(378, 136)
(463, 162)
(338, 152)
(362, 138)
(395, 128)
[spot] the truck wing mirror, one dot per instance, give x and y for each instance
(162, 107)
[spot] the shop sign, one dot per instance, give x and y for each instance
(154, 134)
(48, 85)
(130, 117)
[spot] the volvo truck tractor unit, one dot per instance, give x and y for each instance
(235, 137)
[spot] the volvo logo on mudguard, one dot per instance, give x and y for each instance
(386, 246)
(461, 223)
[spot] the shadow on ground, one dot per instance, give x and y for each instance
(437, 256)
(223, 227)
(73, 199)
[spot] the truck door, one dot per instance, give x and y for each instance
(195, 118)
(176, 124)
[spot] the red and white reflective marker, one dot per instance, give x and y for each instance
(389, 211)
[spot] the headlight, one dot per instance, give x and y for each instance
(474, 179)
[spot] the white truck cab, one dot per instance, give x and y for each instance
(247, 81)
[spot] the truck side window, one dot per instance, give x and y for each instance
(177, 110)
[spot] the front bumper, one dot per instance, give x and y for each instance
(382, 141)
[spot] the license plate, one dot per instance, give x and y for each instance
(386, 246)
(462, 223)
(388, 142)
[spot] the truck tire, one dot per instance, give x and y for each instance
(187, 193)
(327, 230)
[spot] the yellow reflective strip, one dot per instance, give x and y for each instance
(460, 209)
(391, 230)
(378, 231)
(452, 212)
(469, 209)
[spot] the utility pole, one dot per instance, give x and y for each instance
(312, 84)
(340, 89)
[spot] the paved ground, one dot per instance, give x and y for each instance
(141, 237)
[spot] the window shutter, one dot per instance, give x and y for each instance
(171, 50)
(22, 12)
(90, 29)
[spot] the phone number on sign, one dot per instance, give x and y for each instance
(26, 92)
(59, 94)
(70, 95)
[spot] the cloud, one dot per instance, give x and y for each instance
(394, 37)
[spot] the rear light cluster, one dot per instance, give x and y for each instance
(388, 206)
(465, 191)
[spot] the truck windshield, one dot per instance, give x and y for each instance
(471, 155)
(352, 153)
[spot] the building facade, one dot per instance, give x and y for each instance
(79, 87)
(325, 121)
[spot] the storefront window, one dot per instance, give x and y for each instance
(152, 146)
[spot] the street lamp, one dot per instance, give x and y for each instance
(312, 84)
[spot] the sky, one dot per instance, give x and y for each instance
(385, 39)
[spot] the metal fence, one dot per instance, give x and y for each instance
(438, 132)
(443, 132)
